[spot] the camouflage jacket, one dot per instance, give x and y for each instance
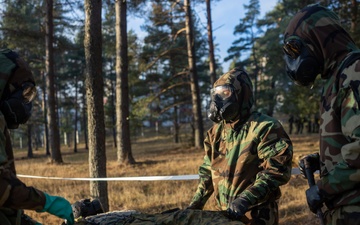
(340, 137)
(248, 159)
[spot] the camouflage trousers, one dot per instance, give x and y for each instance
(261, 215)
(345, 215)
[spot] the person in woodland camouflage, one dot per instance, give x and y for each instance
(248, 155)
(315, 44)
(17, 90)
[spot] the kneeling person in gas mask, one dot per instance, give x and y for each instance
(17, 91)
(248, 155)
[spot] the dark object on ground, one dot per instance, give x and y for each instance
(85, 207)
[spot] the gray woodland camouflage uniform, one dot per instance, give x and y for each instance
(249, 158)
(340, 113)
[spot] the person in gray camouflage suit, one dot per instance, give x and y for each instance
(248, 155)
(315, 44)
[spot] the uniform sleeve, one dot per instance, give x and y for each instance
(16, 195)
(205, 187)
(275, 151)
(346, 173)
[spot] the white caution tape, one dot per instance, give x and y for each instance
(294, 171)
(148, 178)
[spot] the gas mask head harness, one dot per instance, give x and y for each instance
(17, 106)
(224, 104)
(301, 66)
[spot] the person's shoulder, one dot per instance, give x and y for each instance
(5, 50)
(259, 122)
(263, 117)
(351, 70)
(214, 128)
(7, 62)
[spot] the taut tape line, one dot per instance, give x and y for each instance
(147, 178)
(294, 171)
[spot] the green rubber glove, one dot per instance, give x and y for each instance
(60, 207)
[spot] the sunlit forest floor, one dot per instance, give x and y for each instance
(154, 156)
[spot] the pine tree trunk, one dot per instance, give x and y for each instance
(113, 113)
(94, 96)
(44, 106)
(212, 63)
(194, 85)
(54, 137)
(84, 119)
(29, 138)
(124, 153)
(76, 114)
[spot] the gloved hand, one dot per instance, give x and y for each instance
(237, 208)
(314, 198)
(195, 205)
(312, 160)
(60, 207)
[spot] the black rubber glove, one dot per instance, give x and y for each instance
(195, 205)
(314, 198)
(313, 160)
(237, 208)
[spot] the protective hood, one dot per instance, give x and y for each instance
(242, 86)
(321, 30)
(17, 89)
(14, 72)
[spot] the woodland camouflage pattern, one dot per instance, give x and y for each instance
(339, 108)
(13, 193)
(249, 158)
(179, 217)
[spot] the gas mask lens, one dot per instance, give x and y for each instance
(29, 92)
(292, 48)
(224, 92)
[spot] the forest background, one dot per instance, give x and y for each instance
(97, 82)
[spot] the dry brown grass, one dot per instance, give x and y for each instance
(154, 156)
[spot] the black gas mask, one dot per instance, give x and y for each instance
(301, 66)
(17, 107)
(224, 104)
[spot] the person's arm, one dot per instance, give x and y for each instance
(346, 173)
(205, 187)
(16, 195)
(275, 149)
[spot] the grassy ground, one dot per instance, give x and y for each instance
(154, 156)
